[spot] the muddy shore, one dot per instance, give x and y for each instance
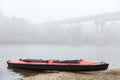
(112, 74)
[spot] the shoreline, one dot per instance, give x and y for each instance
(110, 74)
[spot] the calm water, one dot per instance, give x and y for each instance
(107, 53)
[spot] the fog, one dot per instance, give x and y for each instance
(28, 22)
(39, 11)
(17, 30)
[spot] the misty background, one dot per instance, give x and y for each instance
(28, 22)
(18, 30)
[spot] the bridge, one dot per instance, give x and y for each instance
(99, 20)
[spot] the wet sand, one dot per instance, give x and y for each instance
(112, 74)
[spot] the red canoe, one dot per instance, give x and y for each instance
(64, 65)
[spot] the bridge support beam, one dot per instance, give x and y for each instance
(99, 31)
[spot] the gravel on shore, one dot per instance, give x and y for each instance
(112, 74)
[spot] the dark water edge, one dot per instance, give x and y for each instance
(107, 53)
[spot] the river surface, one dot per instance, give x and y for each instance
(107, 53)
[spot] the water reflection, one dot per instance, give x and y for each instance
(23, 72)
(9, 75)
(27, 72)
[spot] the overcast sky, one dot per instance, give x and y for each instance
(38, 11)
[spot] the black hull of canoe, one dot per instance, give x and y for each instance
(59, 67)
